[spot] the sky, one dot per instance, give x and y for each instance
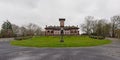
(47, 12)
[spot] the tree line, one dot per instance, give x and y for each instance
(102, 27)
(13, 30)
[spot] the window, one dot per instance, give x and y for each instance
(71, 31)
(75, 31)
(51, 31)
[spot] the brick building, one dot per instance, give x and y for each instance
(55, 30)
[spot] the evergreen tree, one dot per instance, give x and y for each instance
(7, 29)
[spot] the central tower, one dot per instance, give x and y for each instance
(61, 22)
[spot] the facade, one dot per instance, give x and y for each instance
(117, 32)
(56, 30)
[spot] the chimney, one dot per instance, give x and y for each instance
(61, 22)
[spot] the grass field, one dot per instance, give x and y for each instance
(54, 41)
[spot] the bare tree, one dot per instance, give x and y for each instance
(96, 27)
(38, 31)
(107, 29)
(33, 29)
(15, 28)
(87, 26)
(23, 31)
(101, 27)
(93, 26)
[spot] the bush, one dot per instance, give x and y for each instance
(84, 34)
(18, 38)
(101, 37)
(94, 34)
(97, 37)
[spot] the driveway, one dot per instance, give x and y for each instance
(106, 52)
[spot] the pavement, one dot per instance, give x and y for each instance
(105, 52)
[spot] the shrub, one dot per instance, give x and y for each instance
(101, 37)
(97, 37)
(84, 34)
(18, 38)
(94, 34)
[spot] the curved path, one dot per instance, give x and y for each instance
(106, 52)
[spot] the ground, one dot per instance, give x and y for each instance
(106, 52)
(54, 41)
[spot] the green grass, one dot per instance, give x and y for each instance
(54, 41)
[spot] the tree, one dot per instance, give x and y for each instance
(96, 26)
(15, 29)
(33, 29)
(107, 29)
(7, 25)
(7, 29)
(87, 26)
(93, 26)
(101, 26)
(23, 31)
(38, 31)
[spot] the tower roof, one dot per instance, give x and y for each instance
(60, 19)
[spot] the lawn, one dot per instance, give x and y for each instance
(54, 41)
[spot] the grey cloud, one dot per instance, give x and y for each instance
(47, 12)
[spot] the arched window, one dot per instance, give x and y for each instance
(51, 31)
(71, 31)
(48, 31)
(75, 31)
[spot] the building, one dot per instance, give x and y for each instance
(117, 33)
(56, 30)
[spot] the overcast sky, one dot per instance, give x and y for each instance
(47, 12)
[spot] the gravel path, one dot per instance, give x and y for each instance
(106, 52)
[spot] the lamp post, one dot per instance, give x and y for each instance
(62, 33)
